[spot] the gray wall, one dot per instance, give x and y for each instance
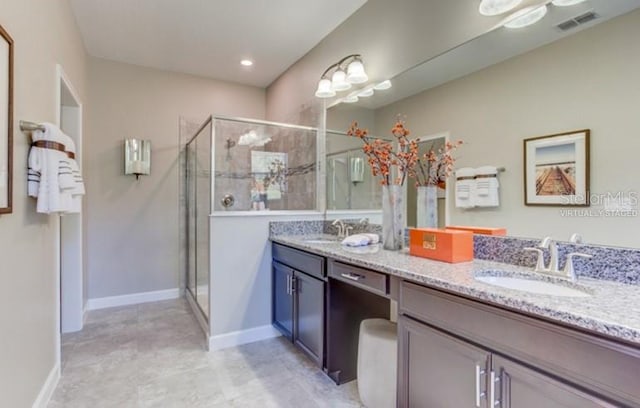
(133, 226)
(44, 33)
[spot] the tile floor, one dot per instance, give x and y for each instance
(153, 355)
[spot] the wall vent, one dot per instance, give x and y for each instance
(579, 20)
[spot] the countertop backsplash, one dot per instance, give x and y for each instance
(608, 263)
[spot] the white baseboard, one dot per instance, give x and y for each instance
(132, 299)
(49, 386)
(232, 339)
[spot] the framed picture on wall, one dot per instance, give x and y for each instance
(6, 119)
(556, 169)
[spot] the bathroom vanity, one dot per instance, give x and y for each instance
(463, 342)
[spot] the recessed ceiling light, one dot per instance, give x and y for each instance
(246, 62)
(526, 17)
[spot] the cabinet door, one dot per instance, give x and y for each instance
(439, 371)
(282, 298)
(308, 332)
(520, 387)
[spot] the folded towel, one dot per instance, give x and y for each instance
(487, 186)
(356, 240)
(369, 249)
(465, 187)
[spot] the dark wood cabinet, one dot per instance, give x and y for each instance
(439, 370)
(298, 299)
(282, 315)
(436, 370)
(516, 386)
(459, 352)
(308, 331)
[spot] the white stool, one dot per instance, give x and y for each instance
(377, 363)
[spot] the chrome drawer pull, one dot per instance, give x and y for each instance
(479, 393)
(352, 276)
(493, 402)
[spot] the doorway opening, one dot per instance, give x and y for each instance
(70, 265)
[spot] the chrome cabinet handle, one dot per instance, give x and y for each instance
(352, 276)
(493, 402)
(479, 393)
(293, 284)
(288, 284)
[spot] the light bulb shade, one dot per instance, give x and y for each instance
(324, 89)
(496, 7)
(366, 92)
(563, 3)
(339, 81)
(382, 86)
(350, 99)
(526, 17)
(355, 72)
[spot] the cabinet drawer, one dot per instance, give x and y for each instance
(607, 367)
(369, 280)
(299, 260)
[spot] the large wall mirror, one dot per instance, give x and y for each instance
(6, 118)
(506, 86)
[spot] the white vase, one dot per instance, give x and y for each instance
(393, 217)
(427, 207)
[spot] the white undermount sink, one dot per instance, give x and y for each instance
(533, 286)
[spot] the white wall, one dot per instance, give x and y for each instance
(589, 80)
(44, 33)
(133, 226)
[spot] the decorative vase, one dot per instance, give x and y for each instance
(427, 206)
(393, 217)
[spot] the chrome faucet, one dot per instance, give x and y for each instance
(548, 242)
(567, 272)
(343, 229)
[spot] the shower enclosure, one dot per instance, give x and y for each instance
(238, 168)
(350, 185)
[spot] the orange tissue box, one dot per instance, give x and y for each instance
(447, 245)
(480, 230)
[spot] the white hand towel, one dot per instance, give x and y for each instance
(487, 187)
(356, 240)
(465, 187)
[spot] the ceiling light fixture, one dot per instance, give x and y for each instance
(496, 7)
(349, 70)
(350, 99)
(366, 92)
(564, 3)
(246, 62)
(382, 86)
(526, 17)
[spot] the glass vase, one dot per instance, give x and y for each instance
(393, 217)
(427, 207)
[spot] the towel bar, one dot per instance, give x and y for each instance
(27, 126)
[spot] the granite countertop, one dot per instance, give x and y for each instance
(613, 309)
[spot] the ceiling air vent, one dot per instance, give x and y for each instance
(579, 20)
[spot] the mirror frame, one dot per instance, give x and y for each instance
(8, 139)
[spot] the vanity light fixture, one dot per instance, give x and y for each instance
(383, 86)
(526, 17)
(497, 7)
(350, 99)
(349, 70)
(366, 92)
(246, 63)
(564, 3)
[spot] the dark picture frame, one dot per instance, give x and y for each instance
(556, 169)
(6, 122)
